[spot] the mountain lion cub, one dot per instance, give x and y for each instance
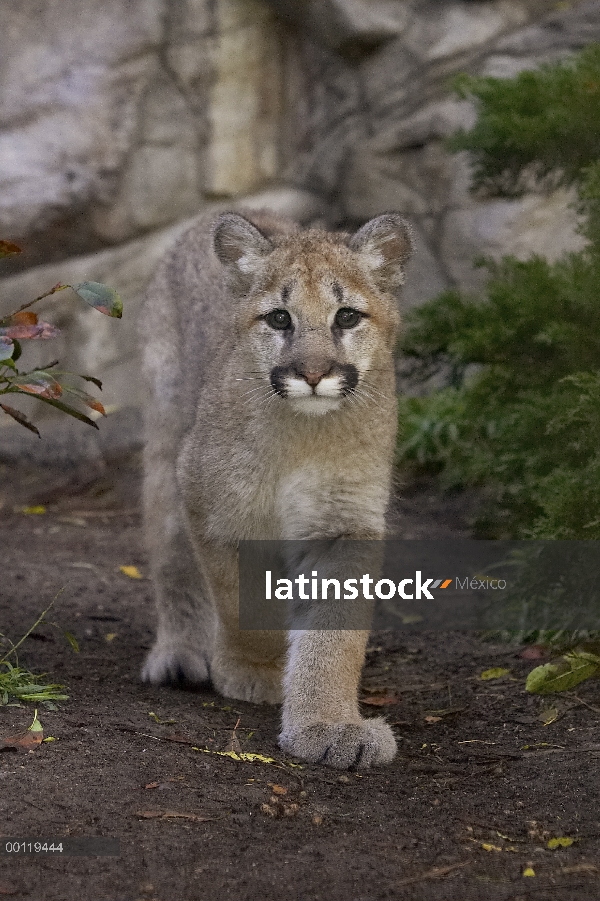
(272, 414)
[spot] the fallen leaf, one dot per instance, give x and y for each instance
(277, 789)
(245, 756)
(72, 641)
(533, 652)
(496, 672)
(36, 510)
(487, 847)
(110, 636)
(434, 873)
(432, 719)
(445, 711)
(528, 871)
(171, 815)
(549, 715)
(25, 741)
(131, 571)
(176, 736)
(382, 700)
(152, 785)
(561, 842)
(7, 888)
(563, 675)
(158, 720)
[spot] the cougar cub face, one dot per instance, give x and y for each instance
(316, 311)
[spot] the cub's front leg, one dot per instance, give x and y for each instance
(321, 721)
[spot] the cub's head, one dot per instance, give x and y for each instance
(316, 311)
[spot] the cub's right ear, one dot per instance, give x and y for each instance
(385, 245)
(241, 248)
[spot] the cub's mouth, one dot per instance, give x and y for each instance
(315, 389)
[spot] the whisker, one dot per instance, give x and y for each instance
(255, 391)
(375, 390)
(358, 400)
(364, 392)
(265, 400)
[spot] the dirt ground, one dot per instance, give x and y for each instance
(466, 810)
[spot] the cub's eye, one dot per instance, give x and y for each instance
(279, 319)
(346, 317)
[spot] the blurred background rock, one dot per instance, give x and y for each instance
(121, 119)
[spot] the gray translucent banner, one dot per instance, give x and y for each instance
(457, 584)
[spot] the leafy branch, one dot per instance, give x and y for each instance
(24, 325)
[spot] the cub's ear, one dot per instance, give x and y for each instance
(385, 244)
(241, 248)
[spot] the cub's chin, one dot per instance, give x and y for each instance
(314, 404)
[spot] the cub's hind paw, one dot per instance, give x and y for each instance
(175, 665)
(244, 682)
(342, 745)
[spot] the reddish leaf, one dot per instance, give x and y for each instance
(25, 317)
(7, 249)
(382, 700)
(21, 418)
(25, 741)
(101, 297)
(174, 736)
(21, 332)
(39, 383)
(534, 652)
(278, 789)
(85, 398)
(7, 888)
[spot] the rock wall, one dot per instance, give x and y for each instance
(368, 118)
(120, 116)
(119, 119)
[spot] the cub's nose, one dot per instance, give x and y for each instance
(313, 378)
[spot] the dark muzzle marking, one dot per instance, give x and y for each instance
(346, 371)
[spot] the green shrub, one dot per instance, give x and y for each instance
(526, 425)
(543, 122)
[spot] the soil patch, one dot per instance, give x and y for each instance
(478, 789)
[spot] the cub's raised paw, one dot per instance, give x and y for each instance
(342, 745)
(175, 665)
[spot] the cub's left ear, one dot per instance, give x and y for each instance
(385, 244)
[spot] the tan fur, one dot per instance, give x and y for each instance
(229, 459)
